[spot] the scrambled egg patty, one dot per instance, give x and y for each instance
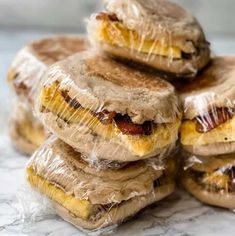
(115, 33)
(80, 208)
(221, 134)
(163, 134)
(35, 135)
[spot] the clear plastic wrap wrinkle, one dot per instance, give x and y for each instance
(155, 33)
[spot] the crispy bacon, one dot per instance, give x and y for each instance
(106, 16)
(231, 173)
(71, 101)
(126, 126)
(213, 119)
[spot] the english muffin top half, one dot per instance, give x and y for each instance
(33, 60)
(100, 83)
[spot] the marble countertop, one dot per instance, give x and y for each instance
(178, 215)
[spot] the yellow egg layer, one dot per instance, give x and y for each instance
(115, 33)
(221, 134)
(80, 208)
(33, 134)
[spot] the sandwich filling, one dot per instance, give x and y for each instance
(112, 31)
(219, 180)
(33, 134)
(18, 83)
(215, 126)
(144, 137)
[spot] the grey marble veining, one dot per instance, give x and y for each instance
(179, 215)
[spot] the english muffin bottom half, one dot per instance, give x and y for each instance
(211, 179)
(209, 122)
(91, 198)
(101, 106)
(157, 33)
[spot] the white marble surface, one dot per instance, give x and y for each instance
(179, 215)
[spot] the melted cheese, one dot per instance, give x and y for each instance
(80, 208)
(115, 33)
(163, 134)
(34, 135)
(221, 134)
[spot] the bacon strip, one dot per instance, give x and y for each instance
(126, 126)
(106, 16)
(211, 120)
(71, 101)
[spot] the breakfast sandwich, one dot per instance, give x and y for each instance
(211, 179)
(24, 77)
(209, 105)
(108, 110)
(91, 198)
(157, 33)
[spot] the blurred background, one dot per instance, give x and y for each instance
(216, 16)
(24, 20)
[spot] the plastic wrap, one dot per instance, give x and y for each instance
(107, 110)
(24, 76)
(209, 122)
(156, 33)
(91, 198)
(207, 133)
(211, 179)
